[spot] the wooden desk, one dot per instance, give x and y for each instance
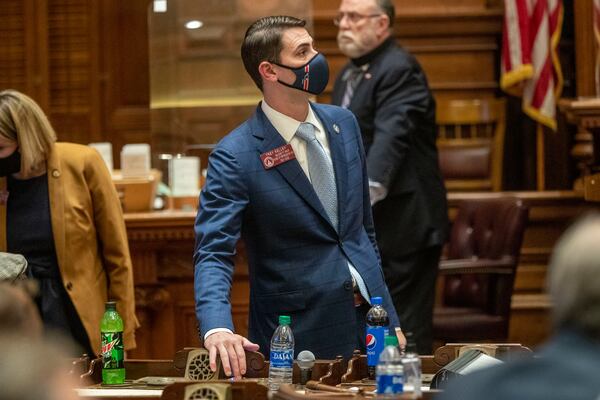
(162, 246)
(174, 377)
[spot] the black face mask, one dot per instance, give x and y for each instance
(311, 77)
(11, 164)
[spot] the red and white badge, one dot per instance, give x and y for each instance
(277, 156)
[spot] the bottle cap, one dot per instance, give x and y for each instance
(376, 300)
(111, 305)
(391, 341)
(285, 320)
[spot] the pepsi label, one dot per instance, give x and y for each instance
(282, 358)
(375, 343)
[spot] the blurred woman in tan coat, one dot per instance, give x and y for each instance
(59, 208)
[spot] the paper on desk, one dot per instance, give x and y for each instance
(482, 361)
(135, 160)
(184, 176)
(101, 392)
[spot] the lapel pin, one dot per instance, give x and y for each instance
(368, 75)
(336, 128)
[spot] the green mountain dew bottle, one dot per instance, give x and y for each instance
(111, 333)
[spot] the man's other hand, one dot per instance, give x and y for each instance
(401, 339)
(230, 347)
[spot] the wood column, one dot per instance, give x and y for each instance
(585, 48)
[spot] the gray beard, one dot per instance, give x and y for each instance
(351, 50)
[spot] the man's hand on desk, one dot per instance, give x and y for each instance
(401, 339)
(230, 347)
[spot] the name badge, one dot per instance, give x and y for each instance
(277, 156)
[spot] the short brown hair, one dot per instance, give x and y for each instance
(262, 42)
(24, 122)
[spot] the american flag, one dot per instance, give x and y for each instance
(530, 64)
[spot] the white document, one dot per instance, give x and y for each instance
(184, 176)
(105, 150)
(135, 160)
(121, 393)
(482, 361)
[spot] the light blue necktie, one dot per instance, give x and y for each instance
(320, 169)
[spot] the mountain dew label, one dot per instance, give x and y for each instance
(112, 350)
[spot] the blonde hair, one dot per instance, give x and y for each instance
(23, 121)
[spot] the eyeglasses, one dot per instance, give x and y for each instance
(353, 17)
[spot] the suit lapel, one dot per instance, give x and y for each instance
(291, 170)
(57, 203)
(338, 156)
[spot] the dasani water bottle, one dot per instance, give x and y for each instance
(281, 360)
(390, 376)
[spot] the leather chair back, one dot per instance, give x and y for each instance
(482, 256)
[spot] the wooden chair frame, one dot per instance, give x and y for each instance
(467, 118)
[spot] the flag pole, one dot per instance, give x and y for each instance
(541, 158)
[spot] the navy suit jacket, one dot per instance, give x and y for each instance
(298, 263)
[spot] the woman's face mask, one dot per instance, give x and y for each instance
(311, 77)
(11, 164)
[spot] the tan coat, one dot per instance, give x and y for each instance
(89, 236)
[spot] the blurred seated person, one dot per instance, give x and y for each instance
(567, 366)
(34, 370)
(18, 312)
(60, 210)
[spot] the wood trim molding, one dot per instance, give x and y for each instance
(585, 48)
(427, 23)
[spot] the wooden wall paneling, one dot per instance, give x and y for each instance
(404, 7)
(23, 48)
(458, 49)
(38, 52)
(124, 73)
(585, 47)
(72, 69)
(173, 129)
(14, 67)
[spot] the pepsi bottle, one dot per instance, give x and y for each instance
(377, 329)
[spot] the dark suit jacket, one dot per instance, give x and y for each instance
(396, 115)
(297, 260)
(566, 368)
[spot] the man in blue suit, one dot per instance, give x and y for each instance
(291, 181)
